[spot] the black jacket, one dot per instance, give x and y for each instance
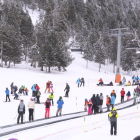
(93, 99)
(113, 94)
(67, 88)
(97, 100)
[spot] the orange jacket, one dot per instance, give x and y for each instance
(86, 102)
(100, 80)
(107, 101)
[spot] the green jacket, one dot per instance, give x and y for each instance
(51, 96)
(22, 87)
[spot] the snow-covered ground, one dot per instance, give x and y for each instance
(23, 74)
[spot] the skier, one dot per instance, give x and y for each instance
(47, 106)
(21, 111)
(67, 90)
(101, 102)
(82, 82)
(37, 89)
(16, 96)
(137, 80)
(90, 107)
(31, 106)
(12, 88)
(134, 79)
(23, 88)
(93, 99)
(51, 96)
(112, 101)
(20, 91)
(26, 91)
(33, 90)
(60, 103)
(86, 104)
(108, 101)
(97, 103)
(51, 86)
(15, 88)
(7, 94)
(128, 95)
(137, 138)
(38, 96)
(113, 120)
(124, 81)
(122, 95)
(101, 82)
(113, 94)
(47, 86)
(78, 81)
(135, 94)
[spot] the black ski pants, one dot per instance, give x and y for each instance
(38, 101)
(82, 83)
(113, 125)
(67, 93)
(122, 99)
(94, 108)
(7, 96)
(20, 114)
(31, 116)
(52, 101)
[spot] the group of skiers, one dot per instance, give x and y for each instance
(31, 107)
(80, 82)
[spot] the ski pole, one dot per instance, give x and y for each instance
(16, 116)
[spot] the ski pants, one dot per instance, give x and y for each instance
(94, 108)
(113, 125)
(20, 114)
(108, 107)
(89, 110)
(7, 96)
(122, 99)
(34, 93)
(52, 101)
(78, 84)
(128, 97)
(82, 83)
(51, 89)
(38, 101)
(47, 112)
(59, 110)
(100, 106)
(48, 89)
(67, 92)
(31, 116)
(112, 106)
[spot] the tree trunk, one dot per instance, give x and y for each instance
(9, 65)
(1, 53)
(49, 69)
(46, 70)
(114, 68)
(59, 68)
(41, 68)
(5, 63)
(99, 67)
(87, 64)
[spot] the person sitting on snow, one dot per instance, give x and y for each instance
(101, 82)
(124, 81)
(129, 83)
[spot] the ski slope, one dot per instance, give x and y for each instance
(23, 74)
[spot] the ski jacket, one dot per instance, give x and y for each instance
(113, 100)
(67, 88)
(21, 107)
(101, 99)
(86, 102)
(48, 84)
(134, 78)
(137, 79)
(37, 87)
(90, 103)
(60, 103)
(26, 90)
(15, 88)
(82, 80)
(51, 85)
(33, 88)
(51, 96)
(128, 94)
(12, 86)
(78, 81)
(100, 81)
(135, 93)
(108, 101)
(31, 105)
(23, 87)
(122, 92)
(97, 100)
(113, 94)
(7, 92)
(93, 99)
(47, 104)
(113, 115)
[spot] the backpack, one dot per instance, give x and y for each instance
(109, 100)
(38, 94)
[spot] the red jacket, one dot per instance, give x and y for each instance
(26, 89)
(37, 87)
(122, 92)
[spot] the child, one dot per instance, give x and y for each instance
(86, 104)
(47, 107)
(90, 107)
(51, 86)
(26, 91)
(128, 95)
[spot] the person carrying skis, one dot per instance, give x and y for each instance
(16, 95)
(122, 95)
(101, 102)
(90, 107)
(47, 86)
(128, 95)
(113, 94)
(97, 103)
(26, 91)
(93, 99)
(7, 94)
(78, 81)
(112, 101)
(31, 106)
(82, 82)
(124, 81)
(21, 111)
(12, 88)
(47, 108)
(86, 105)
(67, 90)
(51, 86)
(108, 101)
(60, 103)
(113, 120)
(51, 96)
(33, 90)
(38, 97)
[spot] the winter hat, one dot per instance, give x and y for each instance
(31, 99)
(113, 91)
(137, 138)
(100, 93)
(6, 88)
(97, 95)
(21, 100)
(89, 100)
(60, 97)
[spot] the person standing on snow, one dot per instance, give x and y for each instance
(34, 90)
(90, 107)
(128, 95)
(38, 96)
(134, 79)
(93, 99)
(82, 82)
(12, 88)
(67, 90)
(21, 111)
(113, 94)
(60, 103)
(112, 101)
(26, 91)
(37, 89)
(31, 106)
(78, 81)
(122, 95)
(51, 86)
(108, 101)
(47, 107)
(51, 96)
(137, 80)
(101, 102)
(7, 94)
(47, 86)
(113, 120)
(97, 103)
(23, 88)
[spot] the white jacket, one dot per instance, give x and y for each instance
(31, 105)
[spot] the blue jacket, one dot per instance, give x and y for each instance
(7, 92)
(60, 103)
(33, 88)
(128, 94)
(113, 100)
(137, 78)
(78, 81)
(134, 78)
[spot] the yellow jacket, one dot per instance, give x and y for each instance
(51, 96)
(112, 117)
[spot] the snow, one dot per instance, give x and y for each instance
(23, 74)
